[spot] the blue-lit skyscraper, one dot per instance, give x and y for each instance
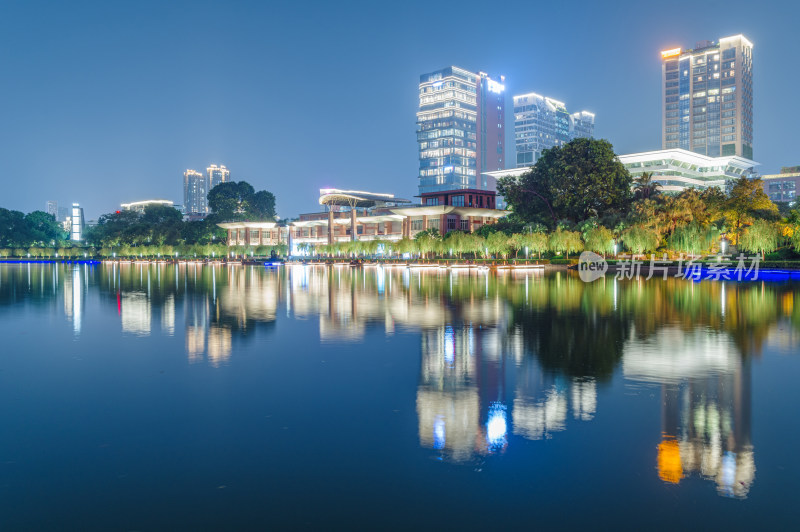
(541, 123)
(460, 129)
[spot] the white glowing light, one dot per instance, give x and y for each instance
(495, 87)
(496, 426)
(439, 437)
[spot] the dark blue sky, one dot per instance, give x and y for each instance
(109, 102)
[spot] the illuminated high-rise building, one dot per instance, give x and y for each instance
(52, 209)
(460, 130)
(76, 223)
(216, 175)
(195, 193)
(541, 123)
(708, 98)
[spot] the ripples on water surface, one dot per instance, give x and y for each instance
(142, 397)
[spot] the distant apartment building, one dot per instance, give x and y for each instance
(460, 129)
(216, 175)
(707, 98)
(52, 209)
(541, 123)
(783, 187)
(195, 193)
(76, 223)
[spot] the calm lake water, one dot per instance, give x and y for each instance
(142, 397)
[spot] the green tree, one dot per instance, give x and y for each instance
(13, 230)
(497, 243)
(427, 240)
(639, 239)
(238, 201)
(42, 227)
(474, 243)
(761, 237)
(406, 245)
(746, 202)
(672, 211)
(644, 187)
(599, 239)
(693, 238)
(580, 180)
(565, 241)
(536, 242)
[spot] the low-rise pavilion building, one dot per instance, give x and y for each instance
(358, 215)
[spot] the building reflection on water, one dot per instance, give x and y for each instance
(503, 360)
(706, 406)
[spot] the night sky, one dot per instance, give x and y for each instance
(109, 102)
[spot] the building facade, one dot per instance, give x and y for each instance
(541, 123)
(460, 129)
(782, 187)
(707, 98)
(356, 215)
(677, 169)
(76, 223)
(195, 193)
(216, 175)
(52, 209)
(140, 206)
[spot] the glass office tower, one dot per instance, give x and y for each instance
(460, 129)
(542, 123)
(708, 98)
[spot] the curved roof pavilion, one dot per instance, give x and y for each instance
(356, 198)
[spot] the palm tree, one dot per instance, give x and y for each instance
(644, 187)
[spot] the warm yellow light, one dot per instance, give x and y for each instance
(670, 53)
(670, 468)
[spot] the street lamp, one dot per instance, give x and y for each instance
(723, 244)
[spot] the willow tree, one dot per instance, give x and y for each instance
(639, 239)
(536, 242)
(427, 241)
(498, 244)
(693, 238)
(599, 239)
(564, 241)
(761, 237)
(406, 245)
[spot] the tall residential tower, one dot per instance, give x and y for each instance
(708, 98)
(216, 175)
(541, 123)
(195, 193)
(461, 124)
